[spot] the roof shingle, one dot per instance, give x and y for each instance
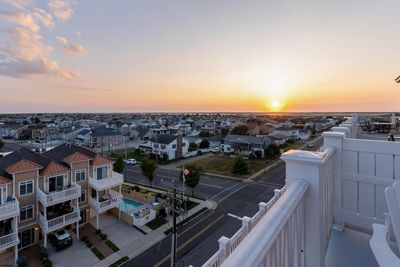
(23, 165)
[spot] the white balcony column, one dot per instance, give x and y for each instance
(77, 230)
(119, 210)
(44, 239)
(223, 243)
(246, 224)
(335, 139)
(15, 230)
(343, 130)
(97, 221)
(307, 165)
(262, 206)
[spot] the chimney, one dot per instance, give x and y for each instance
(178, 153)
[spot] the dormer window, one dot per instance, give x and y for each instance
(102, 172)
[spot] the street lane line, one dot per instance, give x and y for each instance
(222, 199)
(224, 190)
(189, 240)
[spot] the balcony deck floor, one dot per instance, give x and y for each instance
(349, 248)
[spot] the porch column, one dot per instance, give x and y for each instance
(97, 221)
(308, 165)
(77, 230)
(15, 253)
(45, 240)
(335, 139)
(15, 230)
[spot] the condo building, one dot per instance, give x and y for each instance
(61, 188)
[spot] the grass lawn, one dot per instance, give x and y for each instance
(220, 164)
(157, 222)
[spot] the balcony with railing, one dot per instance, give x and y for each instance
(62, 220)
(9, 240)
(111, 200)
(324, 215)
(9, 208)
(109, 182)
(67, 193)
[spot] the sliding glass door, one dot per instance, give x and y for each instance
(56, 183)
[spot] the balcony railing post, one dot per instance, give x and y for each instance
(262, 206)
(308, 166)
(246, 224)
(335, 139)
(223, 243)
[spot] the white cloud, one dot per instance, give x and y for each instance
(20, 4)
(26, 56)
(21, 19)
(70, 48)
(60, 9)
(44, 17)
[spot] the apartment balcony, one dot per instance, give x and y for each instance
(61, 220)
(9, 209)
(112, 200)
(99, 185)
(68, 193)
(9, 240)
(324, 214)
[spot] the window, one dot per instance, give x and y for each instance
(80, 175)
(56, 183)
(82, 198)
(173, 146)
(26, 213)
(163, 146)
(102, 172)
(26, 188)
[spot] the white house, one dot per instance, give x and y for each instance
(290, 133)
(170, 145)
(304, 134)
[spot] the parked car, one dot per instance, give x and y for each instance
(310, 145)
(60, 239)
(131, 161)
(215, 149)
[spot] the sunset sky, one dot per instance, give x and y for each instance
(199, 55)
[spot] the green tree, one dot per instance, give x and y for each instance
(1, 143)
(192, 179)
(204, 144)
(240, 130)
(240, 166)
(204, 134)
(272, 151)
(193, 146)
(224, 131)
(36, 120)
(119, 164)
(148, 167)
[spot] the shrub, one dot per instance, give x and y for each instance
(47, 263)
(135, 188)
(89, 244)
(103, 236)
(22, 261)
(240, 166)
(111, 245)
(98, 231)
(43, 253)
(97, 253)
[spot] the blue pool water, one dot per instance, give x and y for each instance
(129, 204)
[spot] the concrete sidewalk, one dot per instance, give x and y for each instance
(138, 245)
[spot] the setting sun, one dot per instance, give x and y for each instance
(275, 103)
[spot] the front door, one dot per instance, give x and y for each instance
(26, 238)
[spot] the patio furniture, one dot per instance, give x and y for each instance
(379, 242)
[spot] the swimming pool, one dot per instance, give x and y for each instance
(129, 204)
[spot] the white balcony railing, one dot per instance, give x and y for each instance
(297, 227)
(228, 245)
(8, 240)
(115, 199)
(115, 180)
(9, 209)
(68, 193)
(59, 222)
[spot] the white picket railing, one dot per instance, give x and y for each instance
(9, 209)
(8, 240)
(115, 180)
(68, 193)
(114, 201)
(228, 245)
(61, 221)
(282, 228)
